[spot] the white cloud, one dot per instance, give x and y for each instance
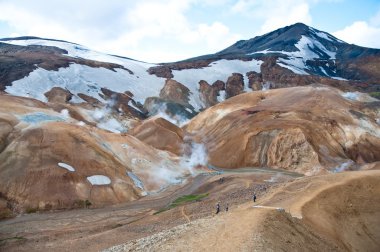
(275, 13)
(127, 28)
(362, 33)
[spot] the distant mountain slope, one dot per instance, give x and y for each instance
(311, 55)
(295, 55)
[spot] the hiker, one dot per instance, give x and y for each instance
(254, 197)
(217, 208)
(227, 207)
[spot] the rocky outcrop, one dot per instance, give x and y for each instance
(234, 85)
(165, 70)
(58, 95)
(209, 93)
(120, 102)
(161, 71)
(285, 149)
(255, 81)
(89, 99)
(16, 62)
(176, 92)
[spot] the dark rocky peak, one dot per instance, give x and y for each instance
(284, 39)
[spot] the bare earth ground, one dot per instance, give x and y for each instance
(336, 212)
(95, 229)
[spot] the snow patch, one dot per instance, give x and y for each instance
(323, 71)
(339, 78)
(324, 36)
(308, 49)
(296, 65)
(67, 167)
(222, 96)
(99, 180)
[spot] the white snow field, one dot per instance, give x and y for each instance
(88, 80)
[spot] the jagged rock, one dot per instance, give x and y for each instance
(120, 103)
(255, 81)
(234, 85)
(161, 71)
(89, 99)
(209, 93)
(176, 92)
(58, 95)
(219, 85)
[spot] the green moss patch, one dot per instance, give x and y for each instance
(183, 200)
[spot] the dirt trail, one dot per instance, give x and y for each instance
(95, 229)
(243, 229)
(184, 214)
(317, 202)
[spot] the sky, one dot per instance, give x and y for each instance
(171, 30)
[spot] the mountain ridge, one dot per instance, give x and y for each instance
(290, 56)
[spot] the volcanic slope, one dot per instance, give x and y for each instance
(50, 160)
(309, 130)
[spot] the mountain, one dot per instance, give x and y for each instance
(311, 130)
(151, 149)
(64, 105)
(291, 56)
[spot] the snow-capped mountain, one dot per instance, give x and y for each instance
(290, 56)
(303, 50)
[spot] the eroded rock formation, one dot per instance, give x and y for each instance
(234, 85)
(306, 129)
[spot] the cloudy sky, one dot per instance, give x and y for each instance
(170, 30)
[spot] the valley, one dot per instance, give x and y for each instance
(106, 153)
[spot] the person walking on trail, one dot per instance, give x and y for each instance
(227, 207)
(254, 197)
(217, 208)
